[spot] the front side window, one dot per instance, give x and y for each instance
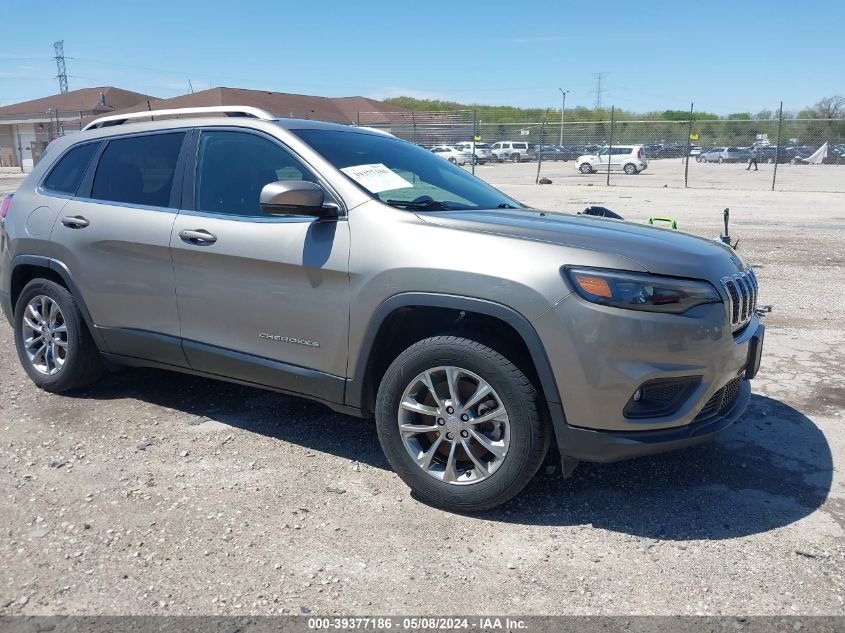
(233, 167)
(138, 169)
(67, 174)
(401, 174)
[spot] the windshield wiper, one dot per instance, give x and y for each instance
(505, 205)
(427, 205)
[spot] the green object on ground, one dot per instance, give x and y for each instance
(672, 223)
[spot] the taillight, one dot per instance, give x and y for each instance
(639, 154)
(4, 206)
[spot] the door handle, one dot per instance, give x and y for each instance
(75, 221)
(197, 237)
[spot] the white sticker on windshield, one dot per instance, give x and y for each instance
(376, 178)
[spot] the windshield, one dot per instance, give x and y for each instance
(403, 175)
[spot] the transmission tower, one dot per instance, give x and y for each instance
(600, 77)
(60, 64)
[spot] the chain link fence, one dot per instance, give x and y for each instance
(791, 154)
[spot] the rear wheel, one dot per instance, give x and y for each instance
(460, 424)
(453, 161)
(52, 340)
(585, 168)
(631, 169)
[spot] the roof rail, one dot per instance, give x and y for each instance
(120, 119)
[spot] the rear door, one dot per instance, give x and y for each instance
(262, 298)
(114, 238)
(619, 156)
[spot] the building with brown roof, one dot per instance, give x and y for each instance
(26, 128)
(282, 104)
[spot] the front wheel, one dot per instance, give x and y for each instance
(721, 160)
(53, 343)
(586, 168)
(460, 424)
(515, 158)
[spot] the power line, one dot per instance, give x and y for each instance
(59, 47)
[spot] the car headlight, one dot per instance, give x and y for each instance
(640, 291)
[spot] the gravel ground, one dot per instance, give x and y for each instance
(163, 493)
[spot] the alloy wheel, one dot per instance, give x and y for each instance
(454, 425)
(45, 336)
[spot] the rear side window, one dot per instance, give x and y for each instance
(138, 169)
(68, 172)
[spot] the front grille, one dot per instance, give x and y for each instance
(662, 391)
(730, 392)
(721, 401)
(742, 296)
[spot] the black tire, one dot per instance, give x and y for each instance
(83, 364)
(529, 431)
(631, 169)
(585, 168)
(453, 160)
(515, 158)
(721, 160)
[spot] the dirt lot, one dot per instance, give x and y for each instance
(161, 493)
(669, 172)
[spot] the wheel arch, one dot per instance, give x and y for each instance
(444, 313)
(25, 268)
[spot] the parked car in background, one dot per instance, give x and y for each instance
(514, 151)
(452, 154)
(483, 153)
(736, 155)
(710, 155)
(627, 158)
(558, 152)
(726, 155)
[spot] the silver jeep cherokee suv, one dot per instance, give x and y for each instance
(359, 270)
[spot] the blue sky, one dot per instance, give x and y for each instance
(726, 56)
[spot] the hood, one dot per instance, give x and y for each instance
(657, 250)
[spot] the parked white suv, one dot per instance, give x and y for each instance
(515, 151)
(483, 153)
(628, 158)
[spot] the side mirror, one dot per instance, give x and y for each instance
(296, 197)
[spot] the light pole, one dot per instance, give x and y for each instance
(562, 108)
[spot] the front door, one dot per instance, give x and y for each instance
(262, 298)
(114, 238)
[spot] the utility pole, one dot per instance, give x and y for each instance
(59, 47)
(562, 108)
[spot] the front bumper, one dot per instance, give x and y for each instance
(601, 356)
(609, 446)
